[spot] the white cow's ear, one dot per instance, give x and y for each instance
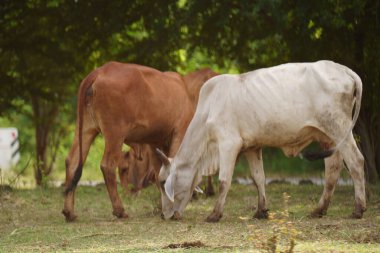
(169, 190)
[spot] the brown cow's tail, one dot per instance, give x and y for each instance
(85, 85)
(311, 156)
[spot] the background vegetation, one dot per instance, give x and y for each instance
(48, 46)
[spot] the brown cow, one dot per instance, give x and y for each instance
(127, 103)
(141, 166)
(194, 82)
(138, 167)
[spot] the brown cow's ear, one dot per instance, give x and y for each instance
(164, 159)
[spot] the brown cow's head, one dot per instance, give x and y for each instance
(134, 168)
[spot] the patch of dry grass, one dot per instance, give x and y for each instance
(30, 221)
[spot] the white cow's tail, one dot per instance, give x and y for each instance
(357, 100)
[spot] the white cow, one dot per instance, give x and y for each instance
(287, 106)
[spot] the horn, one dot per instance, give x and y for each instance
(164, 159)
(199, 190)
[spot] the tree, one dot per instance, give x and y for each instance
(264, 33)
(46, 47)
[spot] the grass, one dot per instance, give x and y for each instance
(31, 221)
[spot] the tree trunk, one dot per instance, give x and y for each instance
(365, 127)
(377, 144)
(368, 150)
(44, 115)
(41, 148)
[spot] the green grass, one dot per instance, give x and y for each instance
(31, 221)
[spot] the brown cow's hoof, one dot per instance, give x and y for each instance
(70, 217)
(261, 214)
(317, 213)
(214, 217)
(120, 213)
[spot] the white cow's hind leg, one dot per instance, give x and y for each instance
(228, 151)
(255, 161)
(355, 164)
(333, 167)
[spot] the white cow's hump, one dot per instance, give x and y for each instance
(293, 71)
(283, 80)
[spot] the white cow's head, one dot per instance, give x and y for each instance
(176, 186)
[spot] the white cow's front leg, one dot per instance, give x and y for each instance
(255, 161)
(228, 151)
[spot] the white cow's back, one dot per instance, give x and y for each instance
(273, 104)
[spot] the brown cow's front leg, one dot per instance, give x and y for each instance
(111, 184)
(108, 167)
(209, 187)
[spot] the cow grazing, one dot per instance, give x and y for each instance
(140, 166)
(127, 103)
(287, 106)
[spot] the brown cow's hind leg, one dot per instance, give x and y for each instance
(74, 171)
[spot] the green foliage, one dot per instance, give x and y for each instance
(264, 33)
(47, 47)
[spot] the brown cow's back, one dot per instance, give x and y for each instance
(194, 82)
(139, 101)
